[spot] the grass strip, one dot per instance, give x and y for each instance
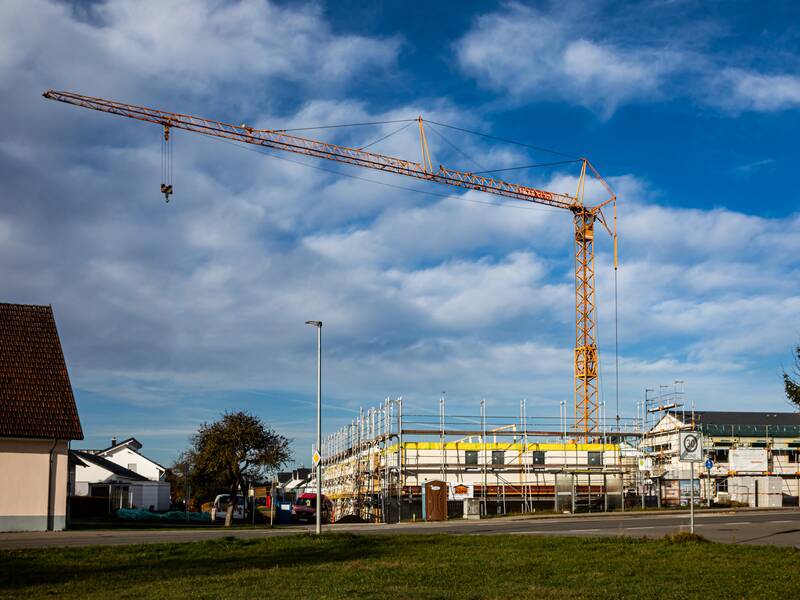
(405, 566)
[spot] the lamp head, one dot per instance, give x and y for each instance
(314, 323)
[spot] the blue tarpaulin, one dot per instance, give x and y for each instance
(140, 514)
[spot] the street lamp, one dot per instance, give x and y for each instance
(318, 466)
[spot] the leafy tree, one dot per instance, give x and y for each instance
(233, 452)
(790, 384)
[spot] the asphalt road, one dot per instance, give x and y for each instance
(778, 527)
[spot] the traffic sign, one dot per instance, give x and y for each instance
(316, 458)
(709, 463)
(691, 446)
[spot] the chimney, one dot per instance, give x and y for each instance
(113, 442)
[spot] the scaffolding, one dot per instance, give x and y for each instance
(375, 467)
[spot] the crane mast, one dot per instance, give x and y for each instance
(586, 358)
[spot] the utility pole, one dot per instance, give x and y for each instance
(691, 497)
(318, 455)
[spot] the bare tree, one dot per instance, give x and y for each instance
(791, 381)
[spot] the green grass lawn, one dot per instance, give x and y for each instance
(393, 567)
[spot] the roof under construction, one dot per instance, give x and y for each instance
(723, 423)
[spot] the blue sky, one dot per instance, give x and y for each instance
(170, 314)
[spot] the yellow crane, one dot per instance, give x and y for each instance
(586, 358)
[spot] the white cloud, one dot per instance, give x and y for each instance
(474, 294)
(564, 54)
(746, 90)
(186, 44)
(526, 53)
(208, 295)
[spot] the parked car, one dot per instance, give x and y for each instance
(221, 506)
(304, 509)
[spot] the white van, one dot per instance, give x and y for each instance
(221, 506)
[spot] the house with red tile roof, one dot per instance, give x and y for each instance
(38, 419)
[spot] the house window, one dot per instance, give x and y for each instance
(538, 457)
(785, 455)
(719, 455)
(595, 459)
(470, 457)
(722, 485)
(132, 467)
(498, 457)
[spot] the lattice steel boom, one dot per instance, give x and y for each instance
(586, 365)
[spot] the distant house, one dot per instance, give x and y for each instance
(123, 475)
(126, 454)
(38, 418)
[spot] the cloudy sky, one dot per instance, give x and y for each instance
(172, 313)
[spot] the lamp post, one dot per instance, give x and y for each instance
(318, 466)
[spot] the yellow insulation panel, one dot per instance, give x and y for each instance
(568, 447)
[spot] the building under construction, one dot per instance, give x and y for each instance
(378, 466)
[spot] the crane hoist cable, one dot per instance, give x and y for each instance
(456, 148)
(506, 140)
(531, 166)
(166, 164)
(387, 136)
(460, 198)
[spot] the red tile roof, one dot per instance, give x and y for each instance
(36, 398)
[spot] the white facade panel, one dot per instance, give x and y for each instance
(748, 460)
(145, 494)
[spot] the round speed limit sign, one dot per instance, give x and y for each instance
(691, 446)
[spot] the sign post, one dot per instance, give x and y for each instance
(709, 465)
(691, 451)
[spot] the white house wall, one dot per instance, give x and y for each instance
(91, 473)
(125, 457)
(145, 494)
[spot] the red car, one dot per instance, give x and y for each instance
(304, 509)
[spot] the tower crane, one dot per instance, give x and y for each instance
(584, 217)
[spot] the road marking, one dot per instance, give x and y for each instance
(647, 527)
(580, 530)
(780, 521)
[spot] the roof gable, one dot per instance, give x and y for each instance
(131, 442)
(35, 390)
(667, 422)
(134, 448)
(108, 465)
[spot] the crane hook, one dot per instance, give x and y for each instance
(166, 190)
